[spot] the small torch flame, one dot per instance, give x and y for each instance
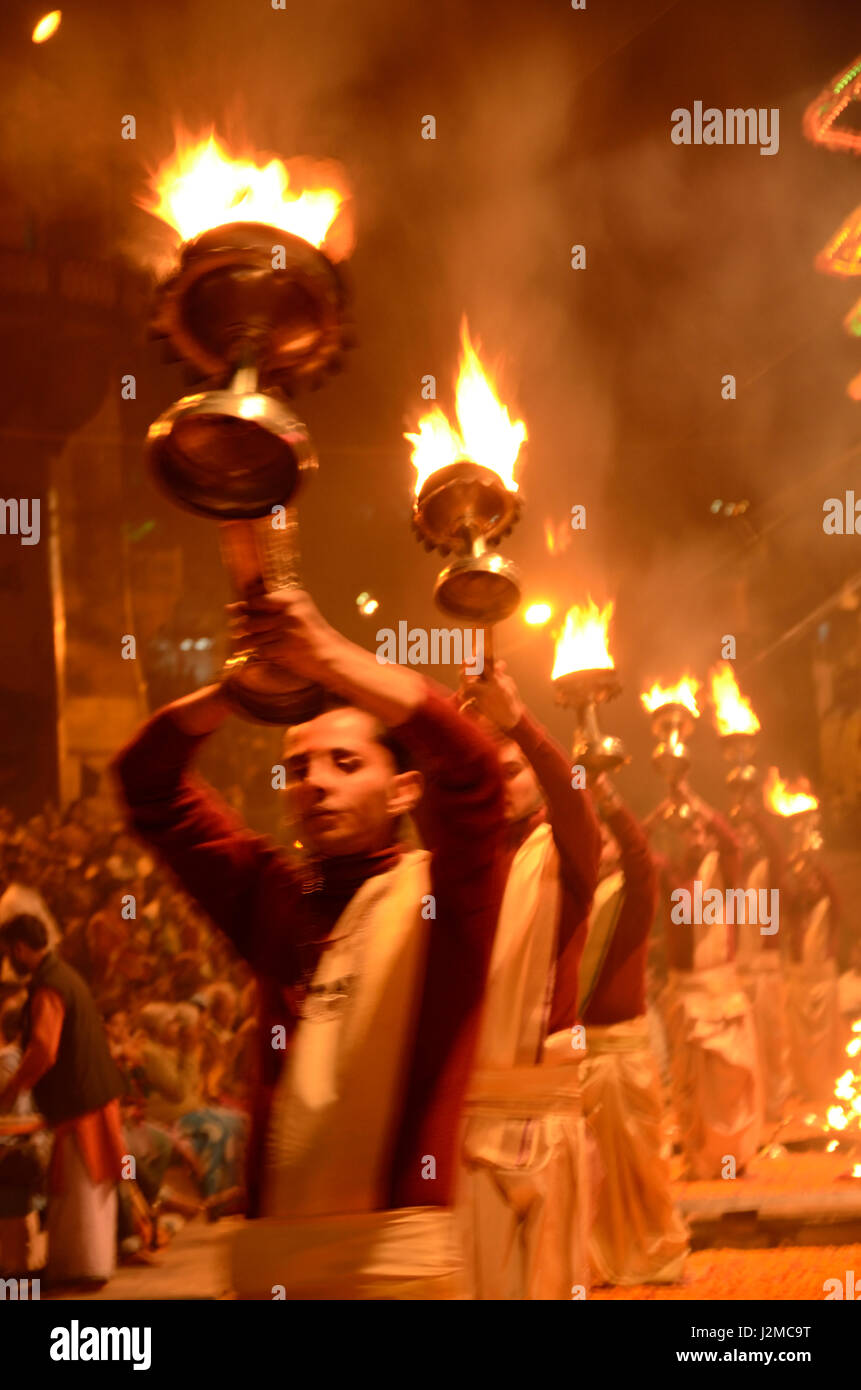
(582, 645)
(683, 693)
(487, 435)
(201, 186)
(733, 710)
(778, 798)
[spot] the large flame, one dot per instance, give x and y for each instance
(201, 186)
(582, 645)
(733, 711)
(781, 800)
(683, 693)
(847, 1088)
(486, 433)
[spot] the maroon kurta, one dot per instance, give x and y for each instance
(678, 935)
(254, 895)
(620, 991)
(578, 841)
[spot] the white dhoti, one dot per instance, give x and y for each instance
(764, 986)
(525, 1182)
(82, 1221)
(717, 1092)
(334, 1116)
(637, 1235)
(814, 1029)
(410, 1253)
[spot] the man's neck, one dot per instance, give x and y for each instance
(520, 830)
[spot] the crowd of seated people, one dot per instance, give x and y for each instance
(178, 1007)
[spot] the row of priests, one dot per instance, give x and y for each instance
(457, 1094)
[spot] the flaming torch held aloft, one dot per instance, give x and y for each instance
(255, 304)
(738, 727)
(800, 808)
(674, 711)
(583, 678)
(467, 499)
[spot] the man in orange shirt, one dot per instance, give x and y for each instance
(75, 1083)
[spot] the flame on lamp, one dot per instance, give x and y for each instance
(486, 433)
(582, 645)
(733, 711)
(683, 693)
(201, 186)
(778, 798)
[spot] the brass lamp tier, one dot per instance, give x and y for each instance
(227, 305)
(584, 691)
(466, 509)
(744, 778)
(461, 503)
(231, 455)
(671, 725)
(579, 688)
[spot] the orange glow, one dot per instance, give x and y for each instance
(582, 644)
(366, 605)
(557, 538)
(683, 693)
(486, 433)
(777, 796)
(847, 1090)
(733, 710)
(47, 26)
(201, 186)
(537, 614)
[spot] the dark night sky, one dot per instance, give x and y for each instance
(553, 128)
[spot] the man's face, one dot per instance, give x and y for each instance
(749, 842)
(342, 784)
(695, 843)
(522, 792)
(609, 861)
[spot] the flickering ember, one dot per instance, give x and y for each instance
(847, 1089)
(47, 26)
(537, 614)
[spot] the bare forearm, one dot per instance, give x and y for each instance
(200, 713)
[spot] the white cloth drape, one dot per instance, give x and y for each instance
(716, 1085)
(637, 1235)
(82, 1221)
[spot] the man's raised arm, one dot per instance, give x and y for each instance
(217, 860)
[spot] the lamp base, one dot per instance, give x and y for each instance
(264, 694)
